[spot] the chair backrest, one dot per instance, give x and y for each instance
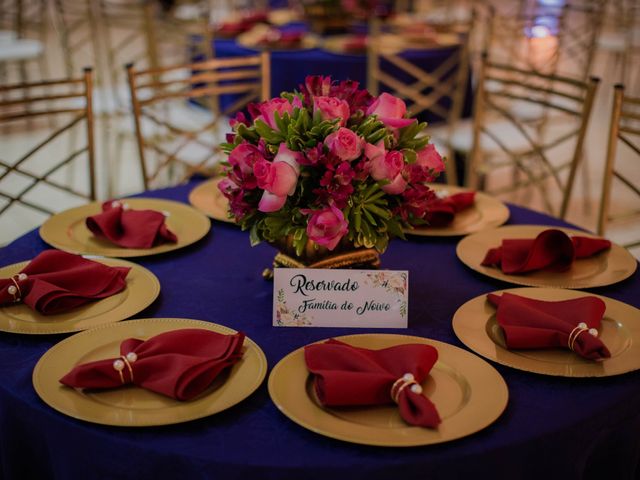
(536, 158)
(165, 144)
(625, 129)
(48, 104)
(549, 39)
(433, 79)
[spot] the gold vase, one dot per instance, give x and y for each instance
(345, 255)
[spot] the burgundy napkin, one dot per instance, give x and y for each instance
(180, 364)
(347, 375)
(357, 43)
(443, 210)
(551, 249)
(529, 323)
(55, 281)
(130, 228)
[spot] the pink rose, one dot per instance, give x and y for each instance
(327, 227)
(345, 144)
(374, 151)
(242, 159)
(278, 178)
(389, 167)
(429, 158)
(390, 111)
(269, 108)
(332, 107)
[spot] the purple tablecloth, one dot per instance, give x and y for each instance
(552, 428)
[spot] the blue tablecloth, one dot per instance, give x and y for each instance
(553, 427)
(289, 68)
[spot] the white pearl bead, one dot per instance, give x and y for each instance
(165, 213)
(593, 332)
(22, 277)
(415, 388)
(118, 365)
(115, 204)
(132, 357)
(408, 377)
(12, 290)
(582, 325)
(126, 206)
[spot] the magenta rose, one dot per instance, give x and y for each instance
(269, 108)
(345, 144)
(278, 178)
(429, 158)
(390, 111)
(332, 107)
(242, 159)
(389, 167)
(327, 227)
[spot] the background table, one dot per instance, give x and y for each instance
(289, 68)
(552, 428)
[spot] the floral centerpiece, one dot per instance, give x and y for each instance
(330, 166)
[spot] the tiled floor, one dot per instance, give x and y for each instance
(119, 171)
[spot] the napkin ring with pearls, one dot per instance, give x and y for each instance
(14, 290)
(125, 360)
(575, 333)
(407, 380)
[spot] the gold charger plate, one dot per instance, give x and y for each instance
(486, 212)
(253, 37)
(468, 393)
(209, 200)
(605, 268)
(142, 289)
(67, 230)
(133, 406)
(476, 326)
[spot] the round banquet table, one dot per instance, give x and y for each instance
(553, 427)
(289, 68)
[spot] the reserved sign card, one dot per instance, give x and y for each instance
(340, 298)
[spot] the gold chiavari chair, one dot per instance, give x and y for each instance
(439, 91)
(162, 152)
(24, 26)
(624, 129)
(21, 108)
(538, 161)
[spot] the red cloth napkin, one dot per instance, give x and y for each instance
(356, 43)
(529, 323)
(180, 364)
(443, 210)
(348, 375)
(55, 281)
(130, 228)
(552, 249)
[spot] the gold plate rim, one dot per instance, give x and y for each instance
(249, 39)
(63, 356)
(192, 226)
(612, 266)
(137, 296)
(487, 390)
(204, 197)
(469, 324)
(492, 211)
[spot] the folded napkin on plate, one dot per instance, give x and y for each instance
(348, 375)
(443, 210)
(180, 364)
(357, 43)
(55, 281)
(552, 249)
(130, 228)
(573, 324)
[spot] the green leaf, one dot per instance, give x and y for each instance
(254, 238)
